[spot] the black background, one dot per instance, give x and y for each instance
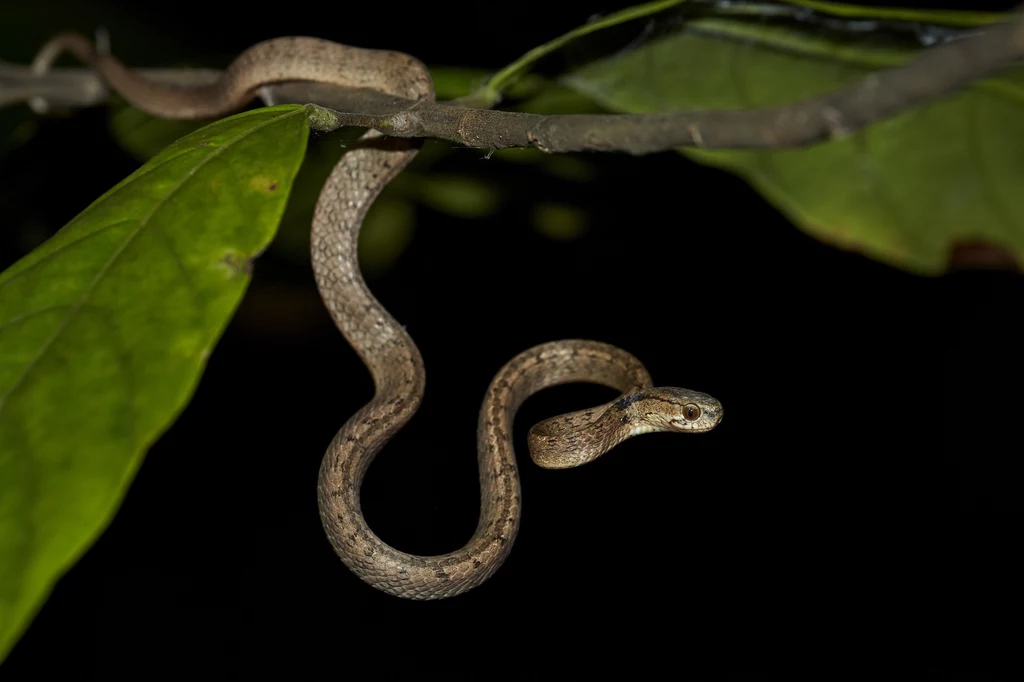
(857, 502)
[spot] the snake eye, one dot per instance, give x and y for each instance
(691, 412)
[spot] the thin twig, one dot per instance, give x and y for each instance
(937, 72)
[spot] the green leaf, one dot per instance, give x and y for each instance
(490, 93)
(458, 195)
(559, 222)
(142, 135)
(904, 191)
(106, 328)
(455, 81)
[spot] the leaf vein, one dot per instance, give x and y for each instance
(61, 249)
(21, 318)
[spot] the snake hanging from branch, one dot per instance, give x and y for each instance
(386, 348)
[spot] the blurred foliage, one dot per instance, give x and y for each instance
(17, 126)
(559, 222)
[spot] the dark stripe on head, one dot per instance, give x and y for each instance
(628, 400)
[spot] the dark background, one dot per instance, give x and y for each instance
(858, 501)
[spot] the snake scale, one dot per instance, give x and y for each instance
(384, 346)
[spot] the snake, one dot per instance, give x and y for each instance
(386, 348)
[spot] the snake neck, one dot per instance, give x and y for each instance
(576, 438)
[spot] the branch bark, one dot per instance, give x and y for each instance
(938, 72)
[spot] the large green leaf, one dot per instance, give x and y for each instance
(904, 191)
(106, 328)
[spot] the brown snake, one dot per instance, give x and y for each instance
(388, 351)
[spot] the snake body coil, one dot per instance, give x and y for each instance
(388, 351)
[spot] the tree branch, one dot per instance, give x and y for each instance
(938, 71)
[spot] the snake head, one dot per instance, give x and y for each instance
(670, 409)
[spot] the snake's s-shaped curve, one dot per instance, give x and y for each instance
(389, 352)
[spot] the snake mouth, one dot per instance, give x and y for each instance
(715, 417)
(718, 415)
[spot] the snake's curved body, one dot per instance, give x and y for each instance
(388, 351)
